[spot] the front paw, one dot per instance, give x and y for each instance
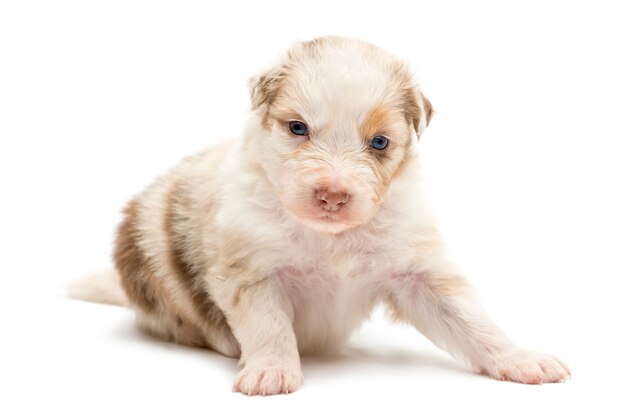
(269, 380)
(526, 367)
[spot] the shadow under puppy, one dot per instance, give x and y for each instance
(282, 242)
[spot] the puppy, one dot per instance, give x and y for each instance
(283, 241)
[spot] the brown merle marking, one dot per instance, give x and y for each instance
(188, 272)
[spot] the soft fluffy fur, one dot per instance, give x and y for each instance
(234, 249)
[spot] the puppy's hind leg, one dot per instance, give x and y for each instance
(172, 327)
(161, 289)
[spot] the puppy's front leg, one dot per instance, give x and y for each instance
(441, 305)
(261, 319)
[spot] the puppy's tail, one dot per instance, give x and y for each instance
(102, 288)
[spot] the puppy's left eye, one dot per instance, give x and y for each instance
(298, 128)
(379, 142)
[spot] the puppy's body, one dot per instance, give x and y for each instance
(281, 243)
(183, 226)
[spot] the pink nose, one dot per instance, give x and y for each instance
(331, 201)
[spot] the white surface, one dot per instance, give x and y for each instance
(524, 160)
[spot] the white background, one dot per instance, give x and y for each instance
(524, 160)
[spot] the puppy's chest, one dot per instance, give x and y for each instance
(332, 273)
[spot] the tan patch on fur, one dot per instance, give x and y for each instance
(136, 276)
(376, 122)
(383, 120)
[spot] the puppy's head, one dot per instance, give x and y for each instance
(339, 116)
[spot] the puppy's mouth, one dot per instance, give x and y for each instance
(329, 223)
(327, 217)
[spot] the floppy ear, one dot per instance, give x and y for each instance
(263, 88)
(419, 110)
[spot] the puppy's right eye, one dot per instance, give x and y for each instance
(298, 128)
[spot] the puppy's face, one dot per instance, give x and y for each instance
(340, 117)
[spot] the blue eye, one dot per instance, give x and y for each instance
(379, 142)
(298, 128)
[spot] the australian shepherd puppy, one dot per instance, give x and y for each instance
(281, 242)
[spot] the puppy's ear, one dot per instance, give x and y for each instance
(419, 110)
(265, 87)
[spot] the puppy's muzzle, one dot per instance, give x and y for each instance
(331, 200)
